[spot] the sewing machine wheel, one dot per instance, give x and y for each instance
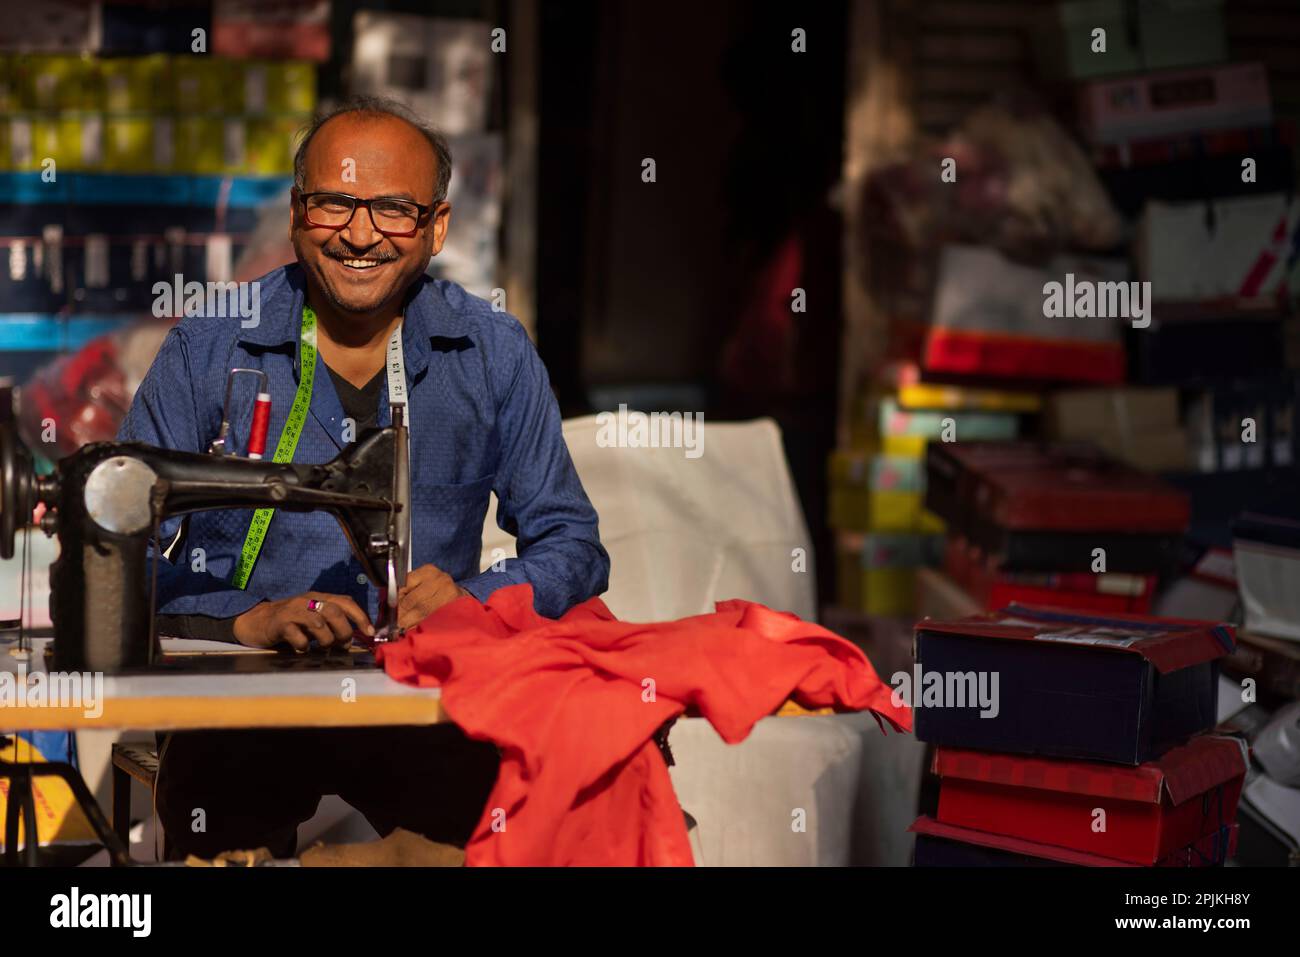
(16, 480)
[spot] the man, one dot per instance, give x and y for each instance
(369, 209)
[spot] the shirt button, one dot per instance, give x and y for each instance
(362, 579)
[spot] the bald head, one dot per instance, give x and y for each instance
(364, 109)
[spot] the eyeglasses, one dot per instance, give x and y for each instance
(391, 217)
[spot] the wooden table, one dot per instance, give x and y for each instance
(198, 685)
(255, 689)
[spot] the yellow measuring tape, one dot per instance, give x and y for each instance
(284, 449)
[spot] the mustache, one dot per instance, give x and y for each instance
(342, 254)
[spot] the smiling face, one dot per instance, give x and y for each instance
(357, 270)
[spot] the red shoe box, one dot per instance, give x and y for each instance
(994, 587)
(1047, 506)
(1151, 810)
(946, 845)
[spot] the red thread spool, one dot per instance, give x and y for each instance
(261, 424)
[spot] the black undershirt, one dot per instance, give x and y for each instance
(362, 407)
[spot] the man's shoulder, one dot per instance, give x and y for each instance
(454, 311)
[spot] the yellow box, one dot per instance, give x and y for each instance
(46, 83)
(271, 141)
(909, 446)
(274, 86)
(929, 395)
(206, 85)
(199, 145)
(874, 591)
(144, 84)
(8, 90)
(45, 144)
(129, 144)
(81, 141)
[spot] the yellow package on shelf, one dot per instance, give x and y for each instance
(906, 446)
(208, 85)
(874, 591)
(143, 84)
(210, 145)
(271, 141)
(929, 395)
(276, 86)
(46, 83)
(33, 139)
(129, 145)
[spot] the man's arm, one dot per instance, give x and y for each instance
(540, 498)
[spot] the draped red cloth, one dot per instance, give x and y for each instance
(573, 703)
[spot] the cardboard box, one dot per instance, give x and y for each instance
(1148, 34)
(1135, 425)
(1120, 688)
(1168, 103)
(1176, 33)
(1064, 41)
(1082, 413)
(1164, 451)
(1235, 249)
(1151, 811)
(1266, 553)
(946, 845)
(988, 319)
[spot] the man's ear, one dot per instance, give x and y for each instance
(293, 209)
(440, 222)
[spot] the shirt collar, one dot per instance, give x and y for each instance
(283, 291)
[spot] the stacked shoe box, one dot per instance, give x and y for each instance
(1058, 523)
(1073, 739)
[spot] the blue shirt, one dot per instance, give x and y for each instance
(483, 420)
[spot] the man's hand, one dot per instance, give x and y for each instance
(427, 589)
(292, 620)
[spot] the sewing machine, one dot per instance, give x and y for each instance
(106, 501)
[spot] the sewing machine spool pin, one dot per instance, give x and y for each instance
(261, 416)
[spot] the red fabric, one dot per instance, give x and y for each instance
(568, 702)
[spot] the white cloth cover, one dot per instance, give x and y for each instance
(683, 533)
